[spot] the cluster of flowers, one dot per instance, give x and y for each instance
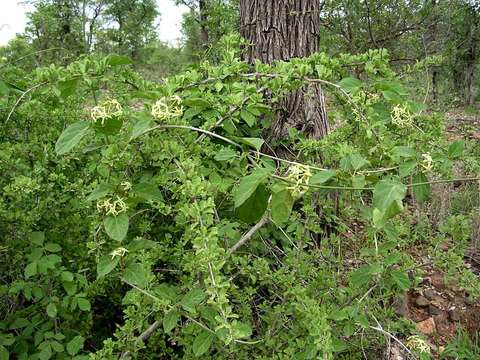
(427, 162)
(299, 175)
(119, 252)
(402, 117)
(105, 111)
(126, 185)
(363, 99)
(112, 207)
(167, 108)
(415, 342)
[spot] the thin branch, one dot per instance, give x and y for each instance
(246, 238)
(444, 181)
(143, 337)
(393, 338)
(312, 186)
(286, 161)
(193, 129)
(21, 97)
(31, 54)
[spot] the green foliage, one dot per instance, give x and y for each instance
(123, 197)
(462, 347)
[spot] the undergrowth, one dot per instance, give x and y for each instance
(127, 206)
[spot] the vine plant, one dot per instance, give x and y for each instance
(178, 171)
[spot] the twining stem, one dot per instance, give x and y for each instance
(328, 187)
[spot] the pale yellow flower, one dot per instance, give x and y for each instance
(119, 252)
(106, 110)
(167, 108)
(126, 185)
(415, 342)
(112, 207)
(427, 162)
(402, 117)
(299, 175)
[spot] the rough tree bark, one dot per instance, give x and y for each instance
(281, 30)
(202, 8)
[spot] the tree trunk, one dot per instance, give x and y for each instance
(281, 30)
(470, 85)
(472, 55)
(202, 7)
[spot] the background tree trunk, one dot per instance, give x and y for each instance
(281, 30)
(202, 8)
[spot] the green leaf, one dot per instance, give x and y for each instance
(46, 353)
(321, 177)
(357, 161)
(248, 117)
(196, 102)
(19, 323)
(364, 274)
(38, 237)
(116, 60)
(136, 274)
(110, 126)
(407, 168)
(4, 354)
(71, 136)
(116, 226)
(170, 320)
(6, 339)
(242, 329)
(52, 247)
(353, 162)
(358, 181)
(166, 292)
(380, 217)
(68, 87)
(75, 345)
(106, 265)
(404, 151)
(83, 304)
(142, 125)
(191, 113)
(386, 192)
(192, 299)
(100, 191)
(381, 113)
(456, 149)
(416, 107)
(31, 269)
(4, 88)
(421, 192)
(350, 84)
(70, 287)
(393, 86)
(56, 346)
(148, 191)
(52, 310)
(202, 343)
(252, 210)
(248, 185)
(392, 96)
(141, 244)
(225, 154)
(401, 279)
(256, 143)
(281, 206)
